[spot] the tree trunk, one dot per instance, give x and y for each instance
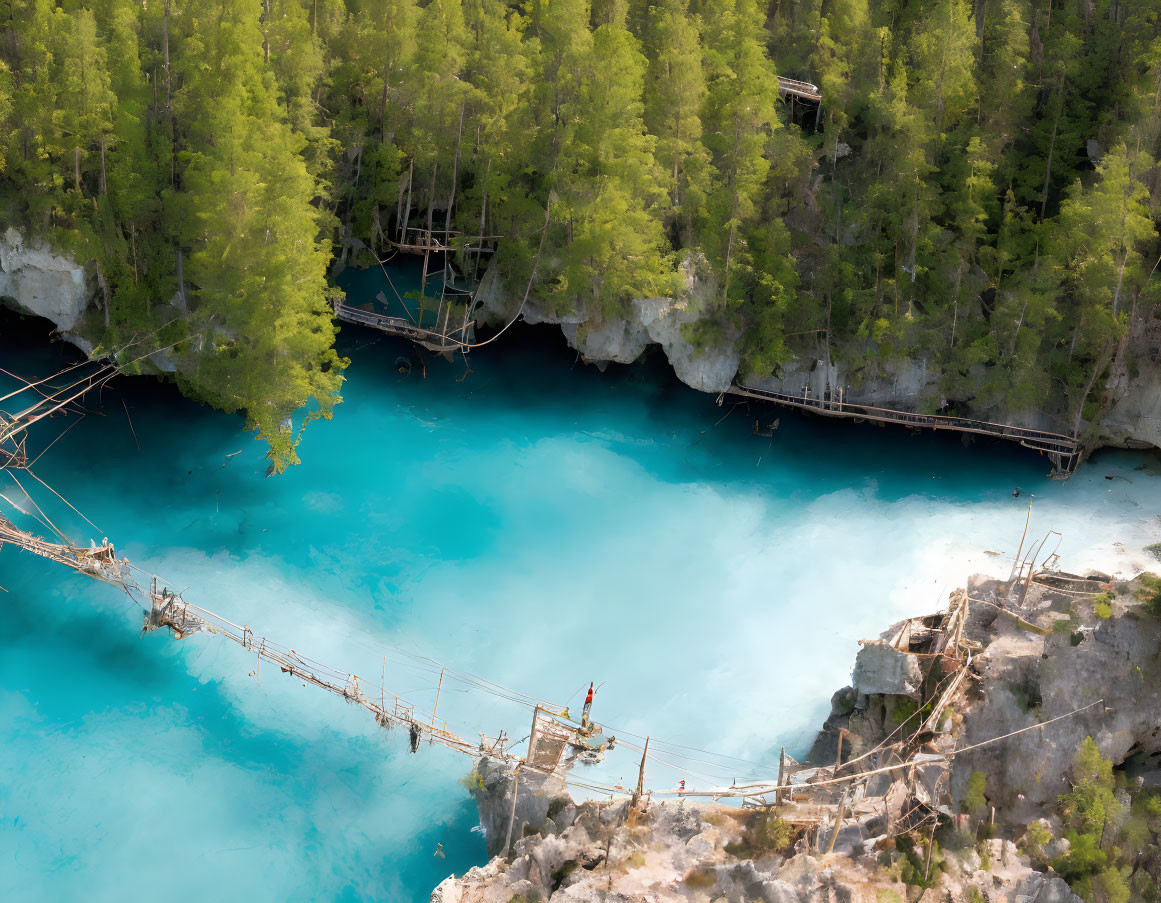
(1051, 149)
(431, 199)
(1101, 361)
(1019, 326)
(455, 174)
(105, 186)
(383, 100)
(77, 166)
(407, 213)
(427, 250)
(1075, 336)
(1122, 346)
(733, 210)
(104, 292)
(827, 389)
(181, 281)
(483, 214)
(165, 54)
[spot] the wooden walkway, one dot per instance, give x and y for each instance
(417, 240)
(801, 90)
(428, 338)
(1065, 451)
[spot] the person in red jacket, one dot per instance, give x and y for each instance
(587, 708)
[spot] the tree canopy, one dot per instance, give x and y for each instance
(979, 188)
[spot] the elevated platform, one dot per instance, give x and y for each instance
(800, 90)
(456, 339)
(1065, 451)
(417, 240)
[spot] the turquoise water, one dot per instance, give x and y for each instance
(536, 522)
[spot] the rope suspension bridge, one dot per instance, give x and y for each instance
(907, 774)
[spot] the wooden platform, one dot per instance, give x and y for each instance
(1065, 451)
(801, 90)
(455, 340)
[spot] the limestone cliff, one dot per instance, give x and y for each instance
(649, 321)
(1130, 412)
(36, 280)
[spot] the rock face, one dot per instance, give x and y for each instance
(650, 321)
(1132, 415)
(697, 854)
(543, 805)
(883, 669)
(1109, 665)
(36, 280)
(1058, 664)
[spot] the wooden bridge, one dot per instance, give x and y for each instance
(418, 240)
(447, 342)
(1065, 452)
(790, 87)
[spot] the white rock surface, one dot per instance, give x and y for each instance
(880, 668)
(36, 280)
(651, 321)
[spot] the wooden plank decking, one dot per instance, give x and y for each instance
(1065, 450)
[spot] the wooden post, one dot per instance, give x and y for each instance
(1023, 536)
(512, 813)
(838, 823)
(779, 795)
(640, 778)
(930, 847)
(839, 758)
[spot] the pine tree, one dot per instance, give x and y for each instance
(609, 185)
(674, 92)
(256, 259)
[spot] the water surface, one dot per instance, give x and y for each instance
(534, 521)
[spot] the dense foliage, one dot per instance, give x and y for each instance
(979, 189)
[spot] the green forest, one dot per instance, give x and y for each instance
(979, 187)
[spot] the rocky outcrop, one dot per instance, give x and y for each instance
(882, 669)
(1054, 661)
(36, 280)
(1106, 665)
(1045, 671)
(543, 805)
(622, 340)
(1130, 417)
(699, 854)
(1132, 411)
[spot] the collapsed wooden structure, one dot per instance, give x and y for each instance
(1065, 452)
